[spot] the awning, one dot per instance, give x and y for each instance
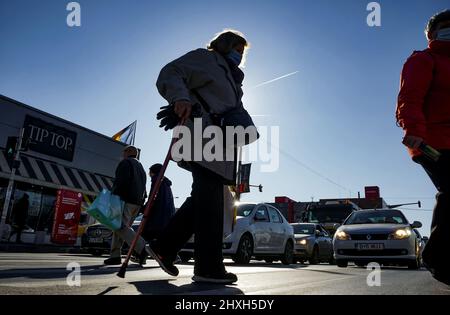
(50, 174)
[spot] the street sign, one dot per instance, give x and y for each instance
(244, 184)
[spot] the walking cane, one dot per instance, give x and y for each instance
(148, 208)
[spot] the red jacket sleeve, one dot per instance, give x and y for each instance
(415, 82)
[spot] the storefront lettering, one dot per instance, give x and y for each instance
(50, 139)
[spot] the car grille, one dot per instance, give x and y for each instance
(369, 237)
(99, 232)
(384, 252)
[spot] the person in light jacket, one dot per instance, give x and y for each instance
(214, 74)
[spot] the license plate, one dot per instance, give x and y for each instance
(96, 240)
(369, 246)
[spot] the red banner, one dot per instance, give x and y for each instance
(67, 217)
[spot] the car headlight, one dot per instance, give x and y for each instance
(400, 234)
(302, 242)
(342, 236)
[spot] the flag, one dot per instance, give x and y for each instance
(127, 134)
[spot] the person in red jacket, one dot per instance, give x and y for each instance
(423, 111)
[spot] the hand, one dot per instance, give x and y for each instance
(183, 109)
(169, 119)
(412, 142)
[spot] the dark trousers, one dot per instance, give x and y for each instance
(201, 214)
(18, 231)
(435, 251)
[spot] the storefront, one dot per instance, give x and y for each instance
(60, 156)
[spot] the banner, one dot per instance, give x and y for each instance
(244, 184)
(67, 217)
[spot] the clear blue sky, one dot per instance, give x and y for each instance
(336, 115)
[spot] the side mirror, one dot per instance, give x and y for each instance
(318, 233)
(416, 225)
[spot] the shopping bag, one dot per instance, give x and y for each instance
(107, 209)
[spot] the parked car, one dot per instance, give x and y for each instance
(97, 238)
(384, 236)
(312, 243)
(261, 232)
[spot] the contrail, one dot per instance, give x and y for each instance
(282, 77)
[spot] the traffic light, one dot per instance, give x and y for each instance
(11, 145)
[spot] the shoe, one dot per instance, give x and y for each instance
(165, 264)
(226, 278)
(113, 261)
(140, 259)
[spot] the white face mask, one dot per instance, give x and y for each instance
(444, 34)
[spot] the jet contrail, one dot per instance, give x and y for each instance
(282, 77)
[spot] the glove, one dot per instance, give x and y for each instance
(169, 119)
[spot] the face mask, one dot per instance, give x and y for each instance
(234, 56)
(444, 34)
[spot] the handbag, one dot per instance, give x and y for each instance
(107, 209)
(236, 117)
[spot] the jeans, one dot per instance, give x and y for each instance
(434, 253)
(201, 214)
(126, 233)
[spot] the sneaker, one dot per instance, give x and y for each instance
(140, 259)
(226, 278)
(164, 263)
(113, 261)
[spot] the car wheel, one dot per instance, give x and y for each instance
(244, 251)
(414, 265)
(342, 263)
(185, 257)
(332, 261)
(314, 259)
(288, 256)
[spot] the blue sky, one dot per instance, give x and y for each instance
(336, 115)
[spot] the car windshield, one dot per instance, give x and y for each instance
(377, 217)
(244, 210)
(329, 214)
(304, 229)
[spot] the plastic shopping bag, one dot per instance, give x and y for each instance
(107, 209)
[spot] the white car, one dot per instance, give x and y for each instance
(383, 236)
(261, 231)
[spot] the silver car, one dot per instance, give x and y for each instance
(384, 236)
(312, 243)
(260, 232)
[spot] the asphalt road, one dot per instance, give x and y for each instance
(47, 273)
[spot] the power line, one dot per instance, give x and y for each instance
(295, 160)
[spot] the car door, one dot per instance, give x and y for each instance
(325, 243)
(261, 229)
(276, 230)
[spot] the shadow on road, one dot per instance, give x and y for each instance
(58, 273)
(164, 287)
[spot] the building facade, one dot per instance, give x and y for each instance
(59, 155)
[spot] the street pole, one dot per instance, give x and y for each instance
(5, 229)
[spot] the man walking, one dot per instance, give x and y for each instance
(129, 185)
